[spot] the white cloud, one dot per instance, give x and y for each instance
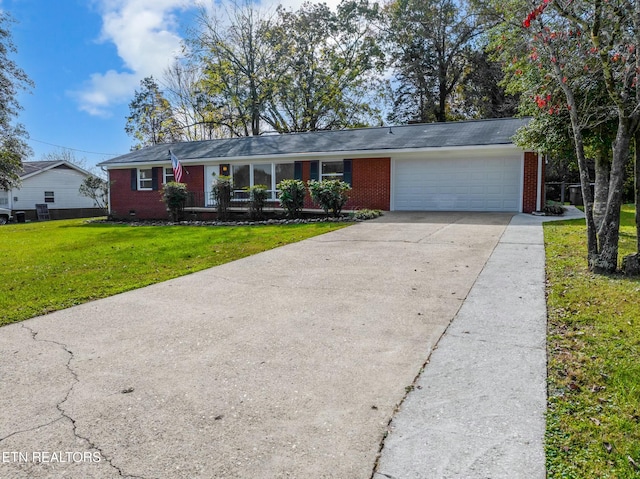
(106, 89)
(145, 34)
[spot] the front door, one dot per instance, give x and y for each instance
(210, 175)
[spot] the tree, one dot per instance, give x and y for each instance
(150, 119)
(97, 189)
(580, 53)
(196, 115)
(480, 93)
(237, 64)
(65, 154)
(430, 41)
(324, 68)
(13, 146)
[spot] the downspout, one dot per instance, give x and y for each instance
(108, 190)
(539, 184)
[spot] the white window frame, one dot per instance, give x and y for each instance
(331, 176)
(140, 179)
(271, 188)
(50, 195)
(166, 176)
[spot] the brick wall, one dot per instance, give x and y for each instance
(146, 204)
(530, 186)
(370, 182)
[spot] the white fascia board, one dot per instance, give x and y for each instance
(349, 154)
(55, 165)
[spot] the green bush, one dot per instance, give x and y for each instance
(175, 195)
(554, 209)
(366, 214)
(258, 195)
(330, 195)
(221, 193)
(291, 196)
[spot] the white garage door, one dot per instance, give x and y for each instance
(457, 184)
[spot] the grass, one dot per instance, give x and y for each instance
(52, 265)
(593, 421)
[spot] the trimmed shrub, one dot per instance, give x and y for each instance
(175, 196)
(552, 209)
(221, 194)
(291, 196)
(330, 195)
(366, 214)
(258, 195)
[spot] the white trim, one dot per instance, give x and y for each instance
(320, 155)
(521, 207)
(539, 184)
(140, 188)
(164, 174)
(323, 176)
(109, 194)
(392, 186)
(55, 165)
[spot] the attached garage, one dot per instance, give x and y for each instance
(453, 181)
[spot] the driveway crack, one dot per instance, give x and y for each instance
(64, 415)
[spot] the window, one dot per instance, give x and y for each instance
(145, 179)
(241, 179)
(332, 170)
(49, 197)
(262, 175)
(284, 171)
(168, 175)
(268, 174)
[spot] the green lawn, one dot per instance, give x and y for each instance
(593, 422)
(52, 265)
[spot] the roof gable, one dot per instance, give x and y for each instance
(33, 168)
(416, 136)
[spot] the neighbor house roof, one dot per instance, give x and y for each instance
(417, 136)
(32, 168)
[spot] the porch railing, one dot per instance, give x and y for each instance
(203, 199)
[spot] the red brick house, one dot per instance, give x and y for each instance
(455, 166)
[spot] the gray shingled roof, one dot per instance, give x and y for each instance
(29, 167)
(426, 135)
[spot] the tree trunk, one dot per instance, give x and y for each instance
(592, 239)
(603, 167)
(609, 231)
(578, 142)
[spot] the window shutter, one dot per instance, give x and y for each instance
(315, 170)
(297, 170)
(346, 172)
(134, 179)
(155, 178)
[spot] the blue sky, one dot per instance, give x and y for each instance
(86, 58)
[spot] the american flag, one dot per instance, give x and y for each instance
(177, 167)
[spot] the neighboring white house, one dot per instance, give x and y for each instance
(54, 183)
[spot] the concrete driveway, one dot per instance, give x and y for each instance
(289, 363)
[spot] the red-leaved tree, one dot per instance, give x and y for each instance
(580, 57)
